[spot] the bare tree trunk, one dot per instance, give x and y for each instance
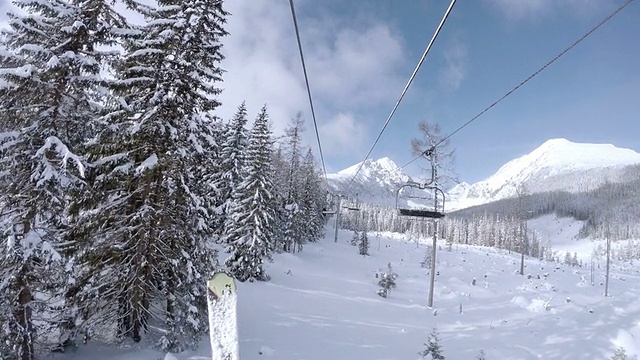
(23, 314)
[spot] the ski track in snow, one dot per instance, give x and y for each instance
(322, 304)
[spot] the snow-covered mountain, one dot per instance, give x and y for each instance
(377, 181)
(558, 164)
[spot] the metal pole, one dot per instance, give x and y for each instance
(338, 206)
(432, 275)
(606, 282)
(592, 277)
(525, 244)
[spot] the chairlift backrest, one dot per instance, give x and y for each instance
(423, 213)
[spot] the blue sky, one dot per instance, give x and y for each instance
(361, 53)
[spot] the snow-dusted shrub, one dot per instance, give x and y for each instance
(387, 281)
(433, 347)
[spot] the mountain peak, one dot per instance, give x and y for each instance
(377, 180)
(387, 164)
(557, 164)
(554, 144)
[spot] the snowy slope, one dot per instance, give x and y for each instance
(558, 164)
(322, 304)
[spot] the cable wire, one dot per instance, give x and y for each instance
(306, 80)
(574, 44)
(404, 91)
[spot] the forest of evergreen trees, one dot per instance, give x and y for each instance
(120, 186)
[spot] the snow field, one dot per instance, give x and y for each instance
(322, 304)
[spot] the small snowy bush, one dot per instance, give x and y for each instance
(433, 347)
(621, 354)
(387, 281)
(481, 355)
(355, 239)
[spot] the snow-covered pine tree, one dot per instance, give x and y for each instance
(574, 259)
(481, 355)
(279, 182)
(355, 239)
(49, 67)
(149, 217)
(363, 244)
(293, 216)
(386, 281)
(249, 226)
(291, 219)
(433, 347)
(621, 354)
(312, 199)
(232, 159)
(426, 260)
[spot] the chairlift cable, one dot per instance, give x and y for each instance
(404, 91)
(306, 79)
(574, 44)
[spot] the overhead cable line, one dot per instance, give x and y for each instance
(602, 22)
(306, 80)
(404, 91)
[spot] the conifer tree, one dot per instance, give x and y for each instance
(387, 281)
(621, 354)
(292, 215)
(232, 158)
(280, 182)
(49, 97)
(481, 355)
(355, 239)
(250, 221)
(433, 347)
(312, 199)
(363, 244)
(148, 219)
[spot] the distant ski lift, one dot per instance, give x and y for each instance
(352, 205)
(328, 211)
(436, 213)
(331, 200)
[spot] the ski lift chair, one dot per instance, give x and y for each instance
(422, 213)
(326, 211)
(436, 213)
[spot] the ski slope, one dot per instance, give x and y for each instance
(322, 304)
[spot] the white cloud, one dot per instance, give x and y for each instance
(455, 55)
(519, 9)
(358, 66)
(352, 67)
(515, 10)
(343, 135)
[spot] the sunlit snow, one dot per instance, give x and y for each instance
(322, 304)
